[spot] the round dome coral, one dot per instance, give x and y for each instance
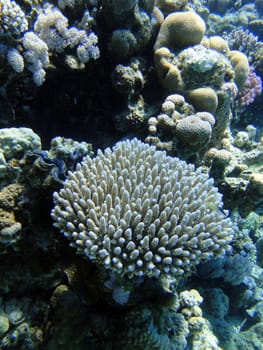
(180, 29)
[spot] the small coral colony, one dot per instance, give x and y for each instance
(131, 174)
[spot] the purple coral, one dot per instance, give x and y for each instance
(252, 88)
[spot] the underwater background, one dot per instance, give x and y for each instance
(131, 174)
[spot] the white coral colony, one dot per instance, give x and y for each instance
(138, 212)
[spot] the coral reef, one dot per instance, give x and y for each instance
(237, 167)
(168, 6)
(241, 14)
(16, 141)
(164, 261)
(13, 18)
(181, 131)
(68, 150)
(248, 43)
(211, 62)
(219, 6)
(219, 74)
(143, 326)
(52, 28)
(130, 26)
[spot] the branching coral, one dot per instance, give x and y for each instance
(52, 28)
(12, 18)
(251, 89)
(138, 212)
(246, 42)
(45, 35)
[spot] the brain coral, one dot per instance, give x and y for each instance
(138, 212)
(193, 130)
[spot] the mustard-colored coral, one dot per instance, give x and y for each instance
(216, 43)
(203, 99)
(241, 67)
(180, 29)
(167, 72)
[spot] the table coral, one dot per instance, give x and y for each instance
(139, 224)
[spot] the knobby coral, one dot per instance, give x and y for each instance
(138, 212)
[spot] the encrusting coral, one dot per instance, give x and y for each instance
(138, 212)
(9, 227)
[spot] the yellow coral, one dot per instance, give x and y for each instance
(168, 74)
(241, 67)
(180, 29)
(203, 99)
(216, 43)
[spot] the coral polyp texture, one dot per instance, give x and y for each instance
(138, 212)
